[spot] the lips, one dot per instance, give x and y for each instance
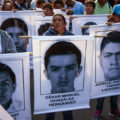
(62, 83)
(114, 69)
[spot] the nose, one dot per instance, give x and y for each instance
(114, 60)
(63, 73)
(15, 38)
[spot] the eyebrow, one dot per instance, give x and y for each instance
(53, 66)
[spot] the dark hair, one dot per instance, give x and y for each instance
(86, 24)
(4, 67)
(90, 2)
(5, 2)
(38, 2)
(61, 48)
(61, 17)
(12, 22)
(58, 2)
(47, 5)
(113, 37)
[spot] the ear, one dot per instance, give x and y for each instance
(79, 71)
(46, 74)
(14, 87)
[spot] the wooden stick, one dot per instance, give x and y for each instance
(30, 53)
(25, 37)
(40, 10)
(86, 26)
(100, 36)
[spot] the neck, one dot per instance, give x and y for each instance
(101, 3)
(6, 106)
(61, 32)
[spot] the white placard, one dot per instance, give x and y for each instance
(45, 100)
(19, 93)
(86, 20)
(100, 86)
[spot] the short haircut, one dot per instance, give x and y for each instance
(113, 37)
(6, 68)
(47, 5)
(90, 2)
(60, 16)
(38, 2)
(12, 22)
(62, 48)
(87, 24)
(58, 2)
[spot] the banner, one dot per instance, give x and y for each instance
(18, 24)
(105, 75)
(15, 85)
(86, 20)
(61, 74)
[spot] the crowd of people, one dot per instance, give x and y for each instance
(70, 7)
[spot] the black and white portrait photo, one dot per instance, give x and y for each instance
(18, 24)
(106, 60)
(14, 84)
(80, 25)
(16, 27)
(43, 23)
(60, 73)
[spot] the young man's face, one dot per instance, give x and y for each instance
(20, 43)
(6, 88)
(110, 61)
(62, 71)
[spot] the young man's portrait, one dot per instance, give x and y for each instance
(8, 84)
(62, 65)
(110, 56)
(16, 27)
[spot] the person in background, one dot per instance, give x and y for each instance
(114, 18)
(114, 2)
(39, 4)
(102, 7)
(89, 7)
(48, 10)
(21, 4)
(74, 7)
(58, 4)
(58, 28)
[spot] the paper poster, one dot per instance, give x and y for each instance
(61, 74)
(105, 76)
(86, 20)
(18, 24)
(15, 84)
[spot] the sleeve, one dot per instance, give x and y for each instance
(10, 48)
